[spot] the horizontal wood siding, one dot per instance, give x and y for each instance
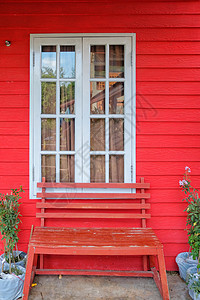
(168, 106)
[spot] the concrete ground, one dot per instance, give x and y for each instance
(105, 288)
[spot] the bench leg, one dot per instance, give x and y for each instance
(163, 275)
(29, 269)
(145, 263)
(34, 268)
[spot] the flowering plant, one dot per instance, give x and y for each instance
(193, 214)
(9, 221)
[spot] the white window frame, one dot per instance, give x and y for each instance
(33, 40)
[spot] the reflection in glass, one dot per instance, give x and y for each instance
(67, 168)
(49, 167)
(97, 97)
(48, 62)
(116, 98)
(116, 134)
(97, 168)
(67, 97)
(116, 61)
(48, 136)
(97, 134)
(116, 168)
(97, 62)
(48, 97)
(67, 133)
(67, 61)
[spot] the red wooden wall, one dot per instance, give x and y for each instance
(168, 70)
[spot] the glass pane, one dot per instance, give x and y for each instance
(97, 134)
(67, 61)
(67, 130)
(116, 98)
(116, 134)
(116, 168)
(49, 168)
(97, 168)
(67, 97)
(48, 137)
(97, 97)
(116, 61)
(97, 62)
(48, 62)
(48, 97)
(67, 168)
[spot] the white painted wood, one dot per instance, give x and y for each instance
(82, 104)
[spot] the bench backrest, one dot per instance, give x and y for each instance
(93, 205)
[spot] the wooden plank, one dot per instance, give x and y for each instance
(126, 20)
(14, 74)
(167, 74)
(94, 195)
(84, 7)
(94, 272)
(168, 101)
(11, 155)
(165, 154)
(93, 215)
(167, 128)
(12, 88)
(163, 169)
(14, 128)
(14, 61)
(170, 141)
(14, 141)
(93, 185)
(154, 47)
(168, 61)
(168, 34)
(18, 100)
(164, 114)
(93, 205)
(7, 182)
(19, 114)
(14, 169)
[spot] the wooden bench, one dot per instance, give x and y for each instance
(95, 241)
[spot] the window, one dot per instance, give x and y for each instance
(82, 109)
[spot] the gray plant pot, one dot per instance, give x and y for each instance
(21, 263)
(192, 271)
(11, 287)
(184, 262)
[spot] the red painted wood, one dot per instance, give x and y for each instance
(17, 101)
(167, 74)
(93, 185)
(153, 154)
(160, 114)
(167, 101)
(95, 272)
(155, 47)
(83, 7)
(165, 88)
(94, 195)
(167, 61)
(170, 141)
(14, 74)
(98, 215)
(93, 205)
(141, 21)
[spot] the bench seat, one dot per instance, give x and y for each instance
(116, 241)
(128, 239)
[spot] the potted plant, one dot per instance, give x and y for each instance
(187, 259)
(12, 275)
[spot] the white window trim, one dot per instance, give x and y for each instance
(32, 108)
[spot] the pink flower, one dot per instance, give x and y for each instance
(187, 169)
